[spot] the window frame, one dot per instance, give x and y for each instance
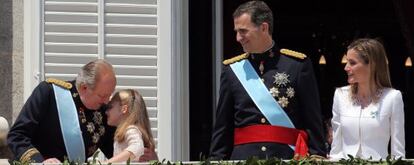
(172, 84)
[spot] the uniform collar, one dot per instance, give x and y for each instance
(271, 53)
(76, 97)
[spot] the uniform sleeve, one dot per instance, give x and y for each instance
(134, 140)
(397, 127)
(21, 133)
(336, 146)
(310, 109)
(223, 130)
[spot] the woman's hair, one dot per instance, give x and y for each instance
(372, 52)
(137, 116)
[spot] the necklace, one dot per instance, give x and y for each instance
(364, 102)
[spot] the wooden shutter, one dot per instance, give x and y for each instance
(124, 32)
(131, 46)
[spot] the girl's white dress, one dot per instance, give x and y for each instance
(133, 143)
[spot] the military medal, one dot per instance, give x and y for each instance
(82, 116)
(94, 127)
(290, 92)
(281, 79)
(90, 127)
(274, 91)
(283, 101)
(261, 67)
(97, 118)
(95, 138)
(101, 130)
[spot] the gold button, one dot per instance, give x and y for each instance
(263, 120)
(264, 148)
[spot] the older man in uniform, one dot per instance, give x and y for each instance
(269, 103)
(38, 132)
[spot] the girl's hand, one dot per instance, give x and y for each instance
(51, 160)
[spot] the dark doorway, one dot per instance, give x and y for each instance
(201, 77)
(316, 28)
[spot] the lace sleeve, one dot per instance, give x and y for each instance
(134, 140)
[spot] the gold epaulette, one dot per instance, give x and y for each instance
(235, 59)
(60, 83)
(293, 53)
(27, 156)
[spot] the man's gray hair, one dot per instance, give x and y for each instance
(89, 73)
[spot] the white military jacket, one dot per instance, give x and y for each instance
(366, 132)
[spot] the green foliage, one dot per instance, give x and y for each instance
(255, 161)
(19, 163)
(164, 162)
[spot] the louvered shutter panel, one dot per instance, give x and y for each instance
(70, 36)
(72, 32)
(131, 46)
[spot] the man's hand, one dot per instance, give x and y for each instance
(149, 154)
(51, 160)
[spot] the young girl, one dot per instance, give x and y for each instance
(127, 111)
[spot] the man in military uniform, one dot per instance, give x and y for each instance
(243, 127)
(37, 135)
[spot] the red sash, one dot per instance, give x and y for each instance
(276, 134)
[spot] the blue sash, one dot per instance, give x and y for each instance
(69, 124)
(260, 95)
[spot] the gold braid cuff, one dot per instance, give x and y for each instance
(27, 156)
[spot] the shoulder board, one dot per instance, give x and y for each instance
(60, 83)
(235, 59)
(293, 53)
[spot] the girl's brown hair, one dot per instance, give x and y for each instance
(138, 116)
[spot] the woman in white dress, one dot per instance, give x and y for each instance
(368, 113)
(127, 111)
